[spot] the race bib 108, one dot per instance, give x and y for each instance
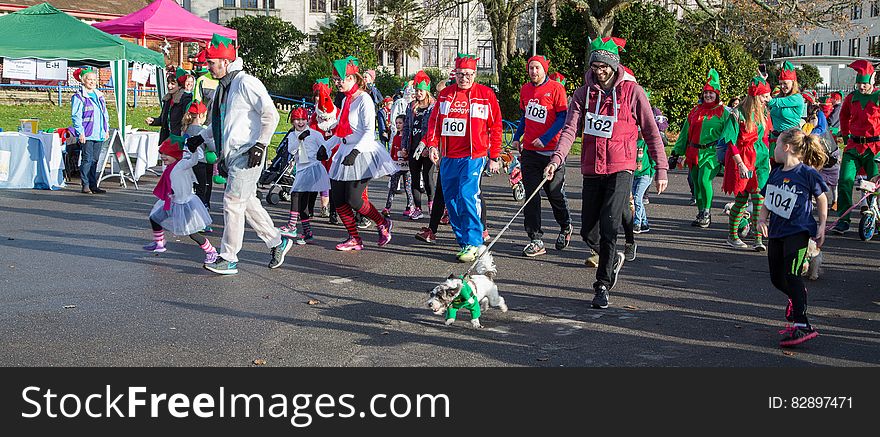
(453, 127)
(780, 201)
(598, 125)
(536, 112)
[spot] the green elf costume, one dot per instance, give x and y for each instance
(699, 134)
(786, 111)
(860, 127)
(466, 300)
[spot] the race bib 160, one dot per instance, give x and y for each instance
(453, 127)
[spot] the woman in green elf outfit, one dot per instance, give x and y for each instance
(699, 134)
(787, 108)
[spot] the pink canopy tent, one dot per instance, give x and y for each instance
(165, 19)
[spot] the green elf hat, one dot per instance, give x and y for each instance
(713, 82)
(178, 141)
(788, 72)
(220, 47)
(180, 76)
(422, 81)
(80, 72)
(758, 86)
(345, 66)
(864, 71)
(607, 50)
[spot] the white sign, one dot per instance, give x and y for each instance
(52, 70)
(5, 156)
(20, 69)
(140, 73)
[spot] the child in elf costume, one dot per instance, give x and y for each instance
(699, 134)
(402, 158)
(787, 108)
(323, 120)
(860, 128)
(306, 146)
(747, 159)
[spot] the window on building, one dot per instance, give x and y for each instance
(856, 12)
(855, 46)
(392, 58)
(317, 6)
(481, 13)
(485, 53)
(229, 3)
(453, 11)
(817, 49)
(313, 40)
(448, 52)
(875, 8)
(371, 6)
(429, 52)
(801, 50)
(337, 5)
(249, 4)
(872, 44)
(835, 48)
(271, 4)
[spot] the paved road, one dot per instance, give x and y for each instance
(686, 300)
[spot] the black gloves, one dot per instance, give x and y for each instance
(304, 134)
(352, 156)
(222, 169)
(673, 161)
(255, 155)
(193, 143)
(322, 154)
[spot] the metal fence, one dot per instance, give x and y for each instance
(134, 93)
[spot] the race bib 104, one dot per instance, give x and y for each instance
(780, 201)
(453, 127)
(598, 125)
(536, 112)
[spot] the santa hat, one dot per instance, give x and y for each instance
(387, 100)
(541, 60)
(465, 61)
(787, 72)
(171, 148)
(220, 47)
(321, 85)
(758, 86)
(345, 67)
(558, 77)
(197, 107)
(322, 89)
(180, 75)
(864, 71)
(422, 81)
(713, 82)
(607, 50)
(299, 113)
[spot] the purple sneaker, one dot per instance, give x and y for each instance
(155, 247)
(211, 257)
(385, 232)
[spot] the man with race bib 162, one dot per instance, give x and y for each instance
(544, 106)
(607, 113)
(465, 126)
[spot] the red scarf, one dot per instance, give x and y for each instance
(163, 189)
(343, 129)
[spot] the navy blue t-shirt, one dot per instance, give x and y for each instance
(788, 199)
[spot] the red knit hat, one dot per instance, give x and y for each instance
(299, 113)
(197, 107)
(170, 149)
(808, 98)
(541, 60)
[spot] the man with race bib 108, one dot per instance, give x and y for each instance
(607, 112)
(465, 126)
(544, 106)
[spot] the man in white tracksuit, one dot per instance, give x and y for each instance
(243, 121)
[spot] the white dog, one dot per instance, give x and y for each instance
(475, 293)
(813, 264)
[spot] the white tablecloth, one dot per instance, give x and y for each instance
(52, 162)
(144, 146)
(31, 161)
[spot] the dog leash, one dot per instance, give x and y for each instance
(854, 205)
(507, 226)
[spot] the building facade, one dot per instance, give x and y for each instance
(462, 29)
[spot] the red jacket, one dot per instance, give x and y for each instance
(861, 119)
(480, 129)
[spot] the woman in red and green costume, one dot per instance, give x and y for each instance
(860, 128)
(787, 108)
(699, 134)
(747, 161)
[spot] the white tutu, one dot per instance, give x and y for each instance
(373, 162)
(183, 218)
(311, 179)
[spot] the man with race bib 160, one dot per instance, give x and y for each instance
(544, 105)
(607, 113)
(465, 126)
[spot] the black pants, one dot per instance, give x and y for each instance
(603, 201)
(626, 223)
(785, 257)
(348, 193)
(304, 203)
(440, 205)
(421, 179)
(204, 175)
(533, 164)
(197, 237)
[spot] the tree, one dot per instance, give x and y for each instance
(808, 76)
(344, 38)
(600, 14)
(267, 45)
(562, 40)
(399, 25)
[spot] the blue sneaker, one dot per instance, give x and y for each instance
(279, 251)
(223, 267)
(288, 232)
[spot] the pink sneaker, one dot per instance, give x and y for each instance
(416, 214)
(211, 257)
(430, 205)
(155, 247)
(350, 244)
(386, 212)
(385, 232)
(407, 212)
(486, 236)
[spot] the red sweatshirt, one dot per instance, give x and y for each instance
(466, 123)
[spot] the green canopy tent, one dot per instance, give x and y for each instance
(44, 32)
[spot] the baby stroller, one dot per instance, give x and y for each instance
(514, 171)
(279, 175)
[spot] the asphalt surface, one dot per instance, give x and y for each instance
(77, 290)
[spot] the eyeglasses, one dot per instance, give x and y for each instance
(595, 67)
(465, 74)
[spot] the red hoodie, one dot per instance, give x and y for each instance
(466, 123)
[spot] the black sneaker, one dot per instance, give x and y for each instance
(535, 248)
(797, 335)
(840, 228)
(334, 218)
(223, 267)
(98, 191)
(629, 251)
(564, 238)
(618, 264)
(600, 300)
(364, 223)
(646, 228)
(703, 220)
(278, 253)
(637, 228)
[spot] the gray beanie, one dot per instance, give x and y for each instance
(606, 57)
